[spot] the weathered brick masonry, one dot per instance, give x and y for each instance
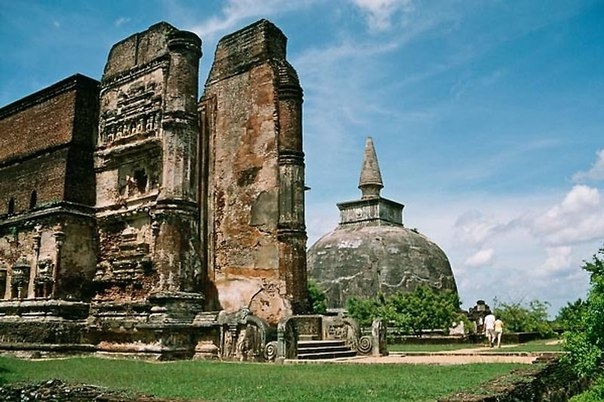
(47, 193)
(252, 109)
(136, 219)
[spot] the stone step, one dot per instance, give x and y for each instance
(305, 338)
(324, 349)
(327, 355)
(316, 343)
(321, 349)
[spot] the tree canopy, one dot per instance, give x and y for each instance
(525, 318)
(316, 298)
(569, 317)
(585, 341)
(422, 309)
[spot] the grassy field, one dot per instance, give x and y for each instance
(199, 380)
(544, 345)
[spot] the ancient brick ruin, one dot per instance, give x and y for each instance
(137, 218)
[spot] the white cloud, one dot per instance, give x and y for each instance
(494, 250)
(596, 172)
(559, 259)
(379, 13)
(473, 228)
(236, 11)
(579, 217)
(121, 21)
(481, 258)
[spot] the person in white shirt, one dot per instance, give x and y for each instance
(489, 328)
(498, 331)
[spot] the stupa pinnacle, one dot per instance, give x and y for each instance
(370, 181)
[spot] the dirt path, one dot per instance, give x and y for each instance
(479, 354)
(444, 359)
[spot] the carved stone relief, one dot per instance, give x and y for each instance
(132, 111)
(126, 256)
(243, 336)
(44, 279)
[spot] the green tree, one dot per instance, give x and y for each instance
(422, 309)
(365, 310)
(569, 317)
(585, 344)
(316, 298)
(525, 318)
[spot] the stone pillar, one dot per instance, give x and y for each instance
(36, 240)
(176, 216)
(291, 230)
(59, 239)
(180, 129)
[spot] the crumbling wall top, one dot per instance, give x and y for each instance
(254, 44)
(25, 127)
(144, 47)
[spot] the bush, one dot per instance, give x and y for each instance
(519, 318)
(585, 343)
(316, 298)
(365, 310)
(569, 317)
(422, 309)
(595, 393)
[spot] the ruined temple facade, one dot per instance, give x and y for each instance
(251, 114)
(138, 217)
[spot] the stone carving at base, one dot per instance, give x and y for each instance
(287, 340)
(270, 351)
(44, 278)
(378, 333)
(342, 328)
(374, 344)
(243, 336)
(206, 350)
(365, 344)
(20, 278)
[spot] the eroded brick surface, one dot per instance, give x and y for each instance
(255, 181)
(131, 199)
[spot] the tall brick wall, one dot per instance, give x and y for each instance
(29, 130)
(46, 145)
(254, 175)
(44, 174)
(25, 126)
(79, 181)
(47, 141)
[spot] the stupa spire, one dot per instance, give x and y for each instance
(370, 182)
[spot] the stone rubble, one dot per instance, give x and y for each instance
(58, 391)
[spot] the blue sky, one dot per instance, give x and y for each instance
(487, 116)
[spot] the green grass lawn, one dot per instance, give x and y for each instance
(542, 345)
(200, 380)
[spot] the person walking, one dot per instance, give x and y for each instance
(498, 331)
(489, 328)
